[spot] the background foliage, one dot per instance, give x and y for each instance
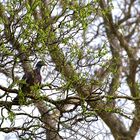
(90, 87)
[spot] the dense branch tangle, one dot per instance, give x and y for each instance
(85, 78)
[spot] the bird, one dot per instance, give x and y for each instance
(28, 82)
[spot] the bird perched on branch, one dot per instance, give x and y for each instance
(30, 80)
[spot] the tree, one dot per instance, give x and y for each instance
(91, 83)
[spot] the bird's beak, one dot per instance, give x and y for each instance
(45, 64)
